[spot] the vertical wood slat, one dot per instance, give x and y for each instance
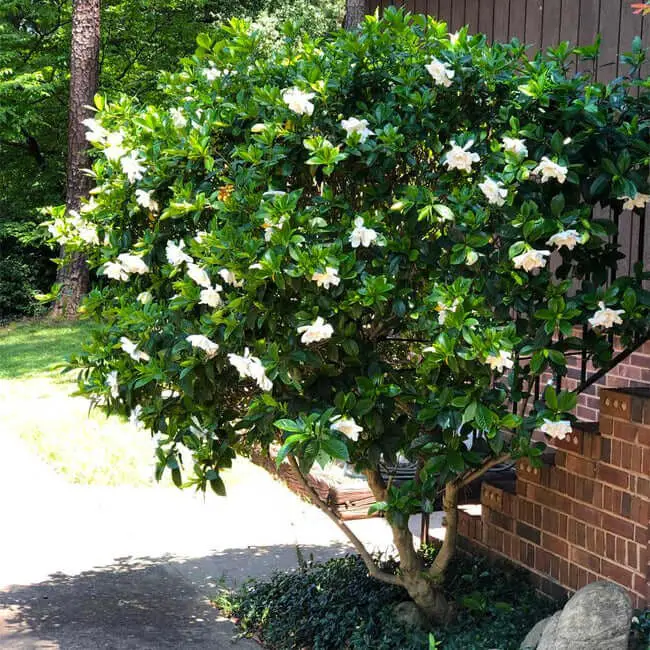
(551, 20)
(471, 15)
(457, 15)
(534, 14)
(444, 12)
(517, 21)
(610, 28)
(501, 20)
(487, 10)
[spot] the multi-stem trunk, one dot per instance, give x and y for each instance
(84, 72)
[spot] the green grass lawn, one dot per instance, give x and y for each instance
(36, 404)
(32, 348)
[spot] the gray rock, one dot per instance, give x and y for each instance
(533, 637)
(547, 640)
(598, 617)
(409, 614)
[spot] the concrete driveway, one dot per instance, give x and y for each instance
(84, 567)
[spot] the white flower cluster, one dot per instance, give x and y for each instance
(249, 366)
(355, 125)
(606, 317)
(132, 350)
(124, 266)
(72, 228)
(362, 236)
(327, 279)
(560, 429)
(441, 72)
(461, 158)
(298, 101)
(531, 260)
(114, 149)
(347, 426)
(319, 330)
(637, 201)
(203, 343)
(500, 361)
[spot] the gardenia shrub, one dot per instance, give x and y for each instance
(357, 247)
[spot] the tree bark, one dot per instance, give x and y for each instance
(423, 586)
(355, 10)
(84, 73)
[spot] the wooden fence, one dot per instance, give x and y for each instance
(543, 23)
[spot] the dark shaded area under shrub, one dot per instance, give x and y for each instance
(336, 606)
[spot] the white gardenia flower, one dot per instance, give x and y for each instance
(531, 259)
(258, 128)
(88, 233)
(606, 317)
(115, 152)
(144, 298)
(132, 166)
(96, 132)
(203, 343)
(249, 366)
(494, 191)
(115, 271)
(444, 311)
(298, 101)
(319, 330)
(199, 275)
(145, 200)
(637, 201)
(500, 361)
(178, 118)
(134, 417)
(327, 279)
(441, 72)
(133, 263)
(362, 236)
(549, 169)
(355, 125)
(515, 146)
(200, 236)
(89, 206)
(113, 383)
(461, 157)
(211, 73)
(131, 349)
(560, 429)
(568, 238)
(270, 227)
(273, 193)
(230, 278)
(453, 38)
(211, 297)
(347, 426)
(175, 254)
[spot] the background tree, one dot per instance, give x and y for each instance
(355, 10)
(73, 276)
(356, 248)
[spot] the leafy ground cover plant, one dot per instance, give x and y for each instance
(360, 246)
(336, 606)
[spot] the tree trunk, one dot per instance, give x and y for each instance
(84, 73)
(355, 10)
(424, 588)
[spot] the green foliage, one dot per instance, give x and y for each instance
(139, 39)
(354, 234)
(641, 630)
(336, 606)
(17, 285)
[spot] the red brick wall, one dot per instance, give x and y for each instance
(586, 514)
(634, 371)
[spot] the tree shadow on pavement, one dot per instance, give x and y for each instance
(142, 603)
